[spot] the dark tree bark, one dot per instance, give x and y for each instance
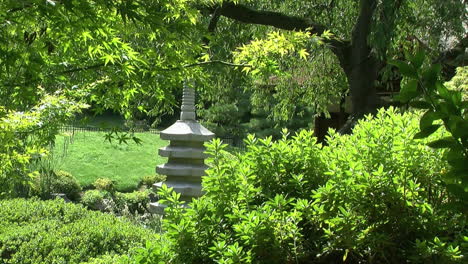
(355, 56)
(363, 69)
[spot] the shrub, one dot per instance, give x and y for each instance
(375, 196)
(136, 201)
(33, 231)
(104, 184)
(109, 259)
(384, 191)
(57, 182)
(24, 137)
(96, 199)
(151, 179)
(67, 184)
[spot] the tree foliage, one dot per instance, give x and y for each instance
(443, 108)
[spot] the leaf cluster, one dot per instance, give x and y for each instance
(447, 108)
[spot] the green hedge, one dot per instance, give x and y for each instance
(34, 231)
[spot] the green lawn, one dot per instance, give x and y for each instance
(88, 157)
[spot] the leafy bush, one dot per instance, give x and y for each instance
(375, 196)
(136, 201)
(109, 259)
(104, 184)
(95, 199)
(384, 190)
(33, 231)
(149, 180)
(57, 182)
(24, 138)
(117, 202)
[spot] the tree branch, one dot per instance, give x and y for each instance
(245, 14)
(212, 26)
(206, 63)
(99, 65)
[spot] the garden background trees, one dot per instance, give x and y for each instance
(56, 56)
(117, 53)
(365, 34)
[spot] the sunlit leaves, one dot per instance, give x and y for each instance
(264, 54)
(445, 108)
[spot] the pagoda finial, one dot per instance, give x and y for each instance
(188, 103)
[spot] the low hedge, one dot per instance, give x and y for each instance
(34, 231)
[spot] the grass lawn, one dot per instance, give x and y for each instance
(88, 157)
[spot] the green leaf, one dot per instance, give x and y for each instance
(418, 58)
(447, 142)
(303, 54)
(459, 165)
(448, 108)
(431, 75)
(409, 91)
(405, 68)
(443, 91)
(426, 132)
(137, 140)
(428, 118)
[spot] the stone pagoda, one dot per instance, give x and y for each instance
(185, 153)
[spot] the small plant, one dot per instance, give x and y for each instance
(97, 200)
(136, 201)
(50, 182)
(104, 184)
(65, 183)
(151, 179)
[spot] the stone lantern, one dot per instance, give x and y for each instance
(185, 153)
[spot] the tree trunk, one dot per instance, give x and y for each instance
(360, 66)
(355, 56)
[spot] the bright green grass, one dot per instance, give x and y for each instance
(88, 157)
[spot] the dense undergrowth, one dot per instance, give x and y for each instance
(375, 196)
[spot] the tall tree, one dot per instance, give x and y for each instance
(366, 33)
(115, 53)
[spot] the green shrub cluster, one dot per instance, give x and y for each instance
(104, 184)
(375, 196)
(149, 180)
(95, 199)
(136, 201)
(105, 198)
(34, 231)
(57, 182)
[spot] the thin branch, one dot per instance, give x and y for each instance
(278, 20)
(85, 68)
(206, 63)
(214, 21)
(212, 26)
(99, 65)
